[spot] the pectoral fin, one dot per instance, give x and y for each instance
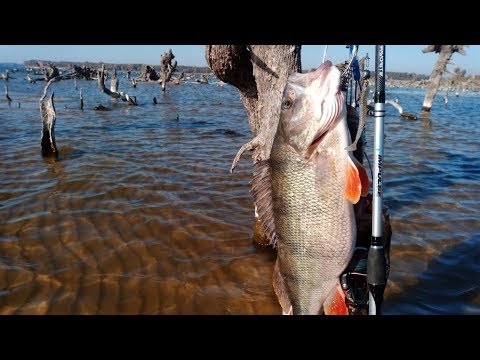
(357, 182)
(363, 177)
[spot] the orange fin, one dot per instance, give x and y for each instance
(363, 177)
(353, 186)
(335, 303)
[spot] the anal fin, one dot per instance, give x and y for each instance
(281, 291)
(335, 302)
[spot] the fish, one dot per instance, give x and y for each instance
(314, 182)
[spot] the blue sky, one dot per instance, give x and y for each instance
(408, 58)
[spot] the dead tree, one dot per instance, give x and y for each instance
(114, 82)
(114, 86)
(81, 99)
(84, 72)
(49, 116)
(177, 81)
(458, 77)
(445, 53)
(260, 73)
(203, 79)
(147, 73)
(167, 67)
(395, 105)
(50, 72)
(5, 75)
(7, 96)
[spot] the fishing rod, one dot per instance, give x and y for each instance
(376, 269)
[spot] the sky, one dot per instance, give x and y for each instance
(402, 58)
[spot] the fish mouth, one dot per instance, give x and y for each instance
(325, 66)
(306, 79)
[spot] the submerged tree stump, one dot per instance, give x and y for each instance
(167, 67)
(445, 53)
(113, 92)
(147, 73)
(49, 116)
(9, 99)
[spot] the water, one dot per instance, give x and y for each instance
(140, 214)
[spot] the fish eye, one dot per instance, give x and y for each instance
(287, 103)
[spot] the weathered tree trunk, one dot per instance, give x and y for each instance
(147, 73)
(49, 116)
(167, 67)
(114, 85)
(85, 72)
(260, 73)
(445, 54)
(203, 79)
(114, 82)
(51, 72)
(81, 99)
(7, 96)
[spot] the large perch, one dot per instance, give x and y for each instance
(114, 85)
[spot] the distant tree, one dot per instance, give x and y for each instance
(445, 53)
(458, 76)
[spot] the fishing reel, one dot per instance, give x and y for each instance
(354, 283)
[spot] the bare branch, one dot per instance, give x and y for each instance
(251, 145)
(114, 94)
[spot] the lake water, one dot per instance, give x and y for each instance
(140, 214)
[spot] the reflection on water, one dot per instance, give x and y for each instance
(140, 215)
